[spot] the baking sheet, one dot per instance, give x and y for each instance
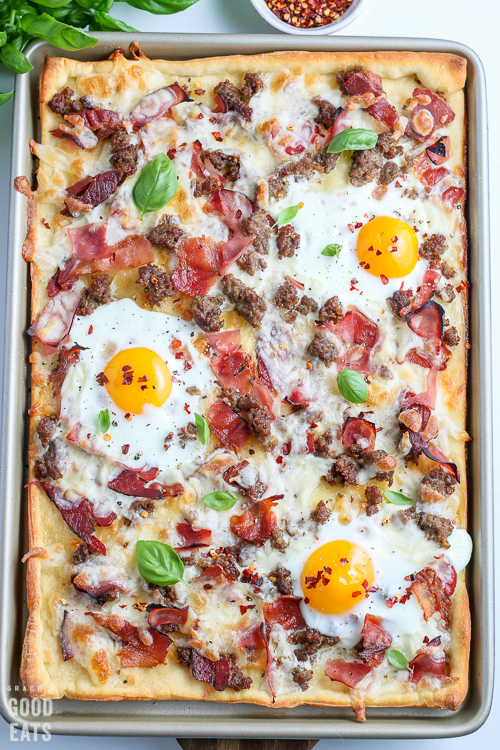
(205, 719)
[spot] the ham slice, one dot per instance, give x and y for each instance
(135, 652)
(234, 371)
(73, 508)
(227, 426)
(258, 522)
(159, 614)
(89, 242)
(453, 196)
(349, 673)
(234, 207)
(427, 321)
(102, 122)
(356, 328)
(54, 322)
(97, 589)
(357, 358)
(130, 483)
(430, 661)
(375, 641)
(251, 637)
(286, 612)
(359, 81)
(424, 292)
(384, 112)
(132, 252)
(216, 673)
(225, 342)
(359, 432)
(234, 249)
(199, 264)
(193, 538)
(157, 104)
(93, 190)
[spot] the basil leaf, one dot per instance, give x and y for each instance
(52, 3)
(100, 5)
(158, 563)
(219, 500)
(332, 250)
(59, 34)
(354, 139)
(397, 498)
(203, 428)
(161, 7)
(3, 38)
(156, 185)
(286, 216)
(104, 420)
(397, 659)
(14, 59)
(352, 386)
(105, 22)
(5, 97)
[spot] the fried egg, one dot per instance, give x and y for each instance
(138, 365)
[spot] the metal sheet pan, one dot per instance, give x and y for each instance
(205, 719)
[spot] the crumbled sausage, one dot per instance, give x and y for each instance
(307, 305)
(251, 261)
(184, 656)
(447, 270)
(166, 594)
(322, 347)
(433, 247)
(82, 554)
(322, 445)
(385, 372)
(365, 167)
(94, 295)
(237, 679)
(47, 467)
(377, 459)
(321, 513)
(67, 357)
(258, 224)
(278, 541)
(207, 311)
(324, 162)
(310, 641)
(401, 298)
(228, 165)
(247, 303)
(206, 187)
(253, 84)
(344, 470)
(156, 284)
(143, 504)
(46, 428)
(331, 311)
(227, 561)
(278, 186)
(302, 676)
(258, 418)
(451, 337)
(437, 485)
(436, 529)
(66, 103)
(373, 499)
(288, 241)
(233, 99)
(125, 154)
(447, 293)
(286, 296)
(326, 112)
(389, 173)
(387, 146)
(167, 233)
(306, 166)
(283, 580)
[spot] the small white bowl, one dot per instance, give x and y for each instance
(345, 19)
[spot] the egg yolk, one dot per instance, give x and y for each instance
(336, 576)
(387, 247)
(137, 377)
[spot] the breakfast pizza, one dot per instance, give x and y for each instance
(249, 326)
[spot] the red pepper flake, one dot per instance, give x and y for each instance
(213, 120)
(384, 279)
(279, 460)
(187, 366)
(378, 252)
(286, 448)
(304, 14)
(247, 573)
(200, 116)
(426, 639)
(91, 329)
(397, 184)
(358, 225)
(370, 249)
(351, 228)
(256, 590)
(102, 379)
(179, 355)
(143, 387)
(207, 586)
(394, 249)
(128, 375)
(462, 286)
(243, 609)
(306, 600)
(171, 153)
(217, 136)
(125, 449)
(45, 223)
(313, 425)
(143, 379)
(365, 584)
(356, 593)
(394, 239)
(391, 601)
(344, 561)
(186, 408)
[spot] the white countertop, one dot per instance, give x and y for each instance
(458, 20)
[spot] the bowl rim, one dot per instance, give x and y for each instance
(345, 19)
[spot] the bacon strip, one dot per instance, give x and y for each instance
(375, 641)
(130, 483)
(433, 452)
(349, 673)
(54, 322)
(225, 342)
(94, 190)
(134, 251)
(89, 242)
(286, 612)
(251, 637)
(66, 647)
(258, 522)
(73, 508)
(359, 432)
(430, 661)
(427, 321)
(135, 652)
(227, 426)
(429, 590)
(216, 673)
(159, 614)
(157, 104)
(193, 538)
(356, 358)
(356, 328)
(234, 206)
(97, 590)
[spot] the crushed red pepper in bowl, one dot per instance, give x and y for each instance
(306, 14)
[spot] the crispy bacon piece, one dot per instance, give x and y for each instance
(356, 358)
(54, 322)
(94, 190)
(234, 207)
(439, 152)
(428, 397)
(102, 516)
(102, 122)
(286, 612)
(67, 357)
(384, 112)
(159, 614)
(130, 483)
(199, 264)
(157, 104)
(96, 590)
(89, 242)
(251, 637)
(225, 342)
(258, 522)
(349, 673)
(132, 252)
(359, 81)
(227, 426)
(80, 134)
(62, 279)
(427, 321)
(234, 371)
(436, 113)
(356, 328)
(375, 641)
(66, 648)
(135, 652)
(193, 538)
(424, 292)
(73, 508)
(216, 673)
(234, 249)
(429, 590)
(433, 452)
(430, 661)
(359, 432)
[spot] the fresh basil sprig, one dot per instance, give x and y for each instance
(352, 386)
(14, 59)
(286, 216)
(59, 34)
(5, 97)
(161, 7)
(354, 139)
(104, 420)
(156, 185)
(333, 250)
(397, 659)
(158, 563)
(203, 428)
(397, 498)
(219, 500)
(104, 22)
